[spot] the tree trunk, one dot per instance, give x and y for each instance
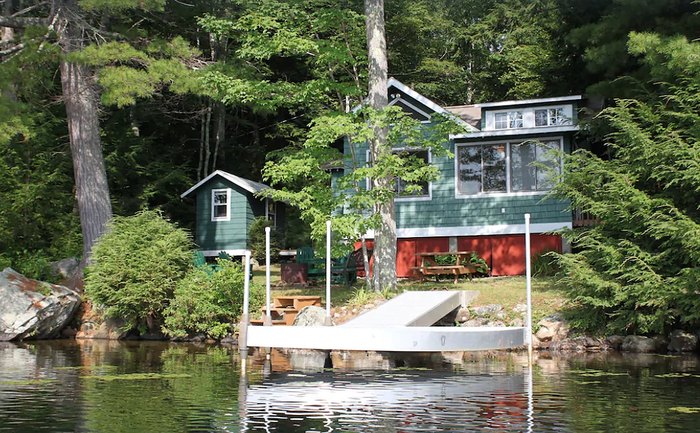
(385, 234)
(80, 98)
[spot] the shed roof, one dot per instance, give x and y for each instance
(247, 184)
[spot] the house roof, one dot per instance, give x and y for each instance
(469, 113)
(247, 184)
(427, 103)
(553, 100)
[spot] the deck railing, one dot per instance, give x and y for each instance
(584, 219)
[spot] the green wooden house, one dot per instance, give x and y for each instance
(226, 207)
(494, 178)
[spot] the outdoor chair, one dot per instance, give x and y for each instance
(315, 266)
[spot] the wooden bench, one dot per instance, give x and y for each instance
(438, 270)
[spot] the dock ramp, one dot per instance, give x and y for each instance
(399, 325)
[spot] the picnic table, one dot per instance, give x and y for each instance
(428, 265)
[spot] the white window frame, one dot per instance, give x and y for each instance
(407, 197)
(508, 143)
(564, 119)
(509, 119)
(228, 204)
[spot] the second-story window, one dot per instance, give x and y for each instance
(550, 117)
(508, 120)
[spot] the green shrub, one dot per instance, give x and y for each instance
(135, 267)
(256, 239)
(482, 268)
(208, 302)
(545, 265)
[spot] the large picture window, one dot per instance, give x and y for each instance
(510, 167)
(532, 165)
(482, 168)
(220, 204)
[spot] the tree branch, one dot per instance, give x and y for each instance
(22, 22)
(11, 50)
(28, 9)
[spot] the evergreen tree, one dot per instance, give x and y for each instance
(638, 270)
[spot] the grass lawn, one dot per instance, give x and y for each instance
(507, 291)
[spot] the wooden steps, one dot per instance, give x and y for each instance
(285, 309)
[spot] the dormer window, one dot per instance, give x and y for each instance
(550, 117)
(508, 120)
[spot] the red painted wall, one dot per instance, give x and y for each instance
(505, 254)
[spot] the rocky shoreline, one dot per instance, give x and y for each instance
(31, 309)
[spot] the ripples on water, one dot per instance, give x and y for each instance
(107, 386)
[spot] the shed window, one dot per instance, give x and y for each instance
(221, 205)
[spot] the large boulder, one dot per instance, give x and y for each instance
(681, 341)
(552, 328)
(641, 344)
(310, 316)
(33, 309)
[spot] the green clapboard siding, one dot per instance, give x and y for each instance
(225, 235)
(446, 210)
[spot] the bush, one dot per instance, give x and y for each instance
(545, 264)
(482, 268)
(135, 267)
(209, 302)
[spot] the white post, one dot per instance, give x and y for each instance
(268, 316)
(528, 288)
(243, 328)
(328, 272)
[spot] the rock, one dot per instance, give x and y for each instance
(552, 328)
(308, 359)
(463, 314)
(487, 310)
(33, 309)
(520, 308)
(495, 323)
(640, 344)
(681, 341)
(615, 341)
(229, 340)
(477, 321)
(65, 268)
(310, 316)
(94, 327)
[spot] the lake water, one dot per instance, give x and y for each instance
(109, 386)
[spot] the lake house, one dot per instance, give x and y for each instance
(226, 207)
(500, 171)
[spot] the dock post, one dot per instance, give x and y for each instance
(528, 288)
(268, 316)
(243, 326)
(328, 273)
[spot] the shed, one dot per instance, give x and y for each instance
(226, 207)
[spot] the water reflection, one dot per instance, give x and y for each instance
(108, 386)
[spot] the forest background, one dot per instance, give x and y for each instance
(186, 88)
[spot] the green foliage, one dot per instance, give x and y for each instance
(122, 5)
(545, 265)
(209, 303)
(638, 270)
(302, 176)
(136, 266)
(256, 240)
(482, 268)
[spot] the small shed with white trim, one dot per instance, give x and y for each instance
(227, 205)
